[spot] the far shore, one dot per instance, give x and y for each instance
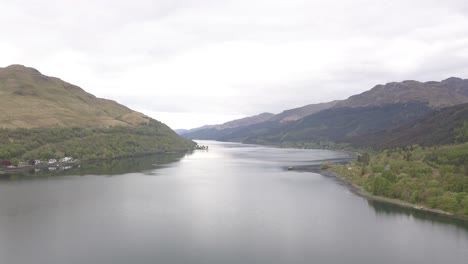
(26, 168)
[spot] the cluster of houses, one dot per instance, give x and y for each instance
(33, 162)
(62, 160)
(201, 147)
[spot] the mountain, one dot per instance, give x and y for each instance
(217, 132)
(301, 112)
(214, 131)
(246, 121)
(382, 108)
(181, 131)
(30, 99)
(44, 117)
(451, 91)
(335, 124)
(438, 127)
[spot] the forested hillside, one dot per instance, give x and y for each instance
(90, 143)
(438, 127)
(433, 177)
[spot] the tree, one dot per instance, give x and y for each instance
(381, 185)
(364, 159)
(15, 162)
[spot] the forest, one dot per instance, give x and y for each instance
(90, 143)
(435, 177)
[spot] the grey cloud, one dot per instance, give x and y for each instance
(235, 57)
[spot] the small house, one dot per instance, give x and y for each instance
(52, 161)
(66, 159)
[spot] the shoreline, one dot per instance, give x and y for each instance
(80, 162)
(359, 191)
(39, 166)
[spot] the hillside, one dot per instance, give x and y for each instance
(301, 112)
(212, 131)
(425, 177)
(247, 121)
(30, 99)
(44, 118)
(338, 124)
(445, 126)
(216, 132)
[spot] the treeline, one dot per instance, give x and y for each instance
(90, 143)
(436, 177)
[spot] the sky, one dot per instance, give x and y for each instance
(190, 63)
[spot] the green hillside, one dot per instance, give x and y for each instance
(432, 177)
(44, 118)
(30, 99)
(90, 143)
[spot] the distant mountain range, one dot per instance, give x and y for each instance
(373, 118)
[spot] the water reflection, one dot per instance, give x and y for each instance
(105, 167)
(226, 205)
(389, 210)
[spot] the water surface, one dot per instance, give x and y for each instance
(231, 204)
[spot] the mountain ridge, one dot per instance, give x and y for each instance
(448, 92)
(382, 107)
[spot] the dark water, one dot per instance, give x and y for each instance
(231, 204)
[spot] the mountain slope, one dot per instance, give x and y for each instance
(439, 127)
(29, 99)
(44, 117)
(301, 112)
(247, 121)
(216, 132)
(336, 124)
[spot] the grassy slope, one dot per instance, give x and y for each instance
(29, 99)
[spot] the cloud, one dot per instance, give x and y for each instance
(234, 58)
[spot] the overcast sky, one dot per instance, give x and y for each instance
(190, 63)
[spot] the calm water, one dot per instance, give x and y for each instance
(232, 204)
